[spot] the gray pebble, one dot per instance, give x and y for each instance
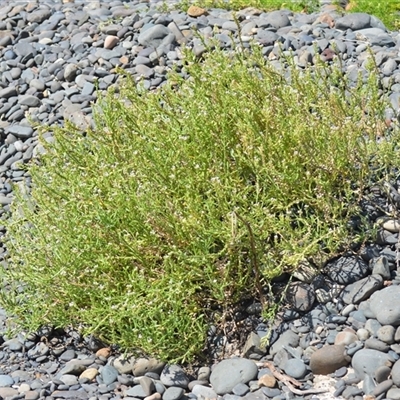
(6, 380)
(295, 368)
(173, 393)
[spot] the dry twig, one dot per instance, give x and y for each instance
(290, 382)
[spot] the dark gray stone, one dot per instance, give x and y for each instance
(347, 270)
(154, 36)
(376, 344)
(266, 38)
(382, 387)
(240, 389)
(287, 338)
(67, 355)
(300, 296)
(70, 394)
(354, 21)
(382, 373)
(271, 392)
(20, 131)
(361, 290)
(136, 391)
(72, 368)
(28, 100)
(39, 15)
(253, 345)
(278, 19)
(8, 92)
(380, 266)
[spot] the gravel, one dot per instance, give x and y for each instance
(340, 331)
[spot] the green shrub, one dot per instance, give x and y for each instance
(191, 197)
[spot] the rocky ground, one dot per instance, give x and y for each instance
(340, 337)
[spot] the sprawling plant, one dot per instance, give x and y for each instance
(192, 196)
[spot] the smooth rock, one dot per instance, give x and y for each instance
(363, 334)
(286, 338)
(383, 387)
(173, 393)
(295, 368)
(358, 291)
(393, 394)
(174, 375)
(105, 352)
(67, 355)
(391, 225)
(194, 11)
(384, 304)
(6, 380)
(382, 373)
(204, 391)
(396, 373)
(109, 374)
(154, 396)
(355, 21)
(143, 365)
(70, 72)
(376, 344)
(300, 296)
(373, 326)
(8, 392)
(386, 334)
(154, 36)
(346, 270)
(367, 361)
(345, 338)
(204, 373)
(23, 132)
(268, 381)
(69, 380)
(89, 374)
(328, 359)
(136, 391)
(228, 373)
(380, 266)
(147, 385)
(278, 19)
(110, 42)
(240, 389)
(71, 368)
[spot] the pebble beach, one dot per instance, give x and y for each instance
(338, 337)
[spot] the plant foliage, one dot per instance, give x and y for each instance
(190, 197)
